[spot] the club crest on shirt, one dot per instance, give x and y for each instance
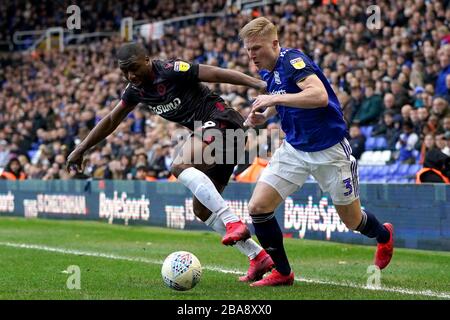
(277, 77)
(298, 63)
(181, 66)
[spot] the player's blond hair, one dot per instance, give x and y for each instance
(259, 27)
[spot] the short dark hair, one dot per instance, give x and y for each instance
(409, 124)
(142, 167)
(389, 113)
(127, 50)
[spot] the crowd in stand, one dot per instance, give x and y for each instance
(394, 79)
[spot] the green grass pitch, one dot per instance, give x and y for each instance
(124, 262)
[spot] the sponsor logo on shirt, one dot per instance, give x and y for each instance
(163, 108)
(298, 63)
(282, 91)
(181, 66)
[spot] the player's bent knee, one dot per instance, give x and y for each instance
(255, 208)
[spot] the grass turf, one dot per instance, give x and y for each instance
(329, 270)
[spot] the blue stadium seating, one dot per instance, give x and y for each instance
(380, 143)
(413, 169)
(376, 143)
(366, 131)
(370, 143)
(394, 173)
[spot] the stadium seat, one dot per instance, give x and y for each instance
(366, 131)
(416, 155)
(393, 168)
(366, 158)
(375, 157)
(371, 143)
(413, 169)
(402, 170)
(380, 143)
(386, 155)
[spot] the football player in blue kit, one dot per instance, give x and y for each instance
(315, 144)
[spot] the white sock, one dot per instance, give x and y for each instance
(205, 191)
(248, 247)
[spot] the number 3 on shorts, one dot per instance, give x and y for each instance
(348, 185)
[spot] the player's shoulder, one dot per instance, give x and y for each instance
(129, 88)
(161, 66)
(173, 66)
(287, 53)
(295, 59)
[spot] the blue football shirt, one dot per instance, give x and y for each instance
(307, 130)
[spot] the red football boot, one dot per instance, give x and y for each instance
(259, 265)
(385, 250)
(236, 231)
(275, 279)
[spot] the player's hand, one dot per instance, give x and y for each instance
(262, 87)
(255, 119)
(262, 102)
(75, 161)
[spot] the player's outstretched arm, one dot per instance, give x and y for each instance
(313, 94)
(214, 74)
(103, 129)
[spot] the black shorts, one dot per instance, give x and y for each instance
(225, 132)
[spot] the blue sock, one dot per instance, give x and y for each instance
(372, 228)
(270, 237)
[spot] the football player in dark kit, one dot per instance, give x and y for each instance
(173, 90)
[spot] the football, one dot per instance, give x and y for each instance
(181, 271)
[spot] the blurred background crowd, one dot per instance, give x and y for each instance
(393, 82)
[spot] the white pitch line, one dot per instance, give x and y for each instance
(429, 293)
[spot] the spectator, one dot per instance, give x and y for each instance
(101, 169)
(446, 124)
(440, 107)
(53, 173)
(13, 171)
(436, 167)
(447, 85)
(389, 102)
(418, 98)
(441, 143)
(406, 143)
(444, 61)
(142, 173)
(414, 118)
(405, 111)
(126, 167)
(371, 107)
(353, 104)
(4, 153)
(400, 94)
(427, 145)
(388, 130)
(158, 163)
(357, 141)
